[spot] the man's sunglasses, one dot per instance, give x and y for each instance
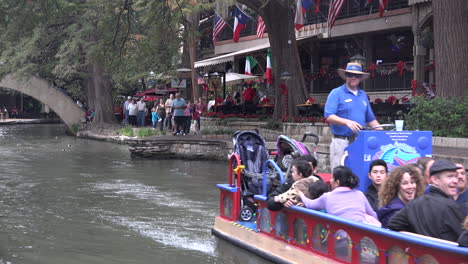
(350, 75)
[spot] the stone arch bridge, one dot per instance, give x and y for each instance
(47, 94)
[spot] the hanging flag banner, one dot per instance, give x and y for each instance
(382, 6)
(260, 27)
(301, 8)
(299, 19)
(268, 74)
(218, 26)
(240, 22)
(334, 11)
(250, 63)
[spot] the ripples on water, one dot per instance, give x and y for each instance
(68, 200)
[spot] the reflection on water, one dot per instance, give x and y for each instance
(68, 200)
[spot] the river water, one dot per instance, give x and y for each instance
(68, 200)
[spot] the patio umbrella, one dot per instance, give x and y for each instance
(145, 93)
(232, 77)
(152, 98)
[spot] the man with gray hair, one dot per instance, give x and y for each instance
(125, 108)
(435, 213)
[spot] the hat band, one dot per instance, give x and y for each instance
(353, 68)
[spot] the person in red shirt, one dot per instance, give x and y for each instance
(248, 97)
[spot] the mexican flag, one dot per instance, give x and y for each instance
(268, 75)
(250, 63)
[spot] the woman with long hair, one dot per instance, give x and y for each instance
(402, 185)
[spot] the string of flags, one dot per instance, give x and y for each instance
(241, 18)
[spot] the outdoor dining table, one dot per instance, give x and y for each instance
(266, 108)
(310, 109)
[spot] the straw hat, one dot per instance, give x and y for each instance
(353, 67)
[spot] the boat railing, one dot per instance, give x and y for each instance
(349, 241)
(332, 237)
(230, 194)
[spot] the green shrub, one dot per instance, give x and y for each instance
(274, 124)
(146, 132)
(445, 117)
(126, 131)
(74, 128)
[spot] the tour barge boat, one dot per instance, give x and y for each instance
(301, 235)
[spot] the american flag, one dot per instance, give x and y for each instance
(260, 27)
(218, 26)
(333, 11)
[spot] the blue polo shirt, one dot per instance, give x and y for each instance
(176, 103)
(343, 103)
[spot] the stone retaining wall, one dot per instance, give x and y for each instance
(185, 149)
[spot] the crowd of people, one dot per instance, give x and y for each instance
(174, 115)
(5, 114)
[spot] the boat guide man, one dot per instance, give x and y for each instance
(348, 110)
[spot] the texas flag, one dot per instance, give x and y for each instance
(301, 9)
(240, 22)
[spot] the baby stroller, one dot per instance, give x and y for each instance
(253, 153)
(288, 149)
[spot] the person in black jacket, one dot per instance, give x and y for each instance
(377, 174)
(434, 214)
(463, 239)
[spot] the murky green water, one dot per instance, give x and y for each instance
(67, 200)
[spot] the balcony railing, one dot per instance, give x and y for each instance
(386, 78)
(352, 8)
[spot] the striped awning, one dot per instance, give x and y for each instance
(230, 56)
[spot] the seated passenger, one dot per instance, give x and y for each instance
(462, 194)
(425, 164)
(402, 185)
(344, 201)
(434, 214)
(377, 173)
(313, 164)
(300, 170)
(311, 187)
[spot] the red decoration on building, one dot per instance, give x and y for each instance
(371, 69)
(323, 72)
(401, 67)
(414, 86)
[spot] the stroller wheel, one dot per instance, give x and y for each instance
(246, 214)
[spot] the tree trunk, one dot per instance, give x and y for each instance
(193, 18)
(451, 47)
(104, 114)
(89, 89)
(279, 21)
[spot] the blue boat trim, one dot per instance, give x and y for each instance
(226, 187)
